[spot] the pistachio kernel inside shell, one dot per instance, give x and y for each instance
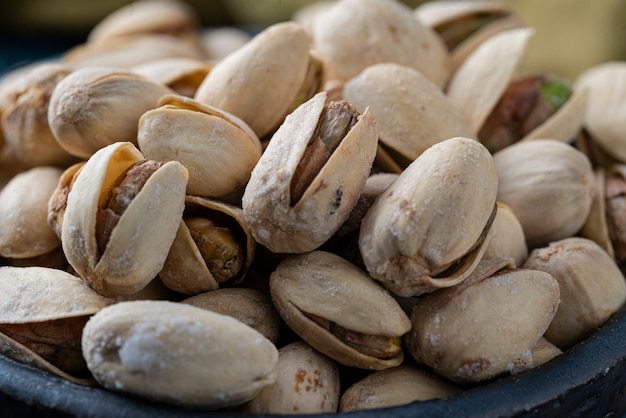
(127, 186)
(378, 346)
(336, 120)
(219, 247)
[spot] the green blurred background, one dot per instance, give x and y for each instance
(570, 36)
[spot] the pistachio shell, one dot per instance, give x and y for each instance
(177, 353)
(284, 227)
(507, 236)
(412, 234)
(596, 227)
(58, 200)
(183, 75)
(323, 285)
(544, 351)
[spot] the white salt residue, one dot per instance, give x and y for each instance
(143, 350)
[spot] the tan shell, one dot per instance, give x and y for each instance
(507, 237)
(260, 81)
(249, 306)
(307, 382)
(158, 350)
(411, 113)
(139, 244)
(97, 106)
(408, 42)
(606, 110)
(24, 211)
(596, 227)
(218, 149)
(413, 233)
(592, 287)
(183, 75)
(327, 202)
(549, 185)
(58, 199)
(184, 270)
(482, 327)
(399, 385)
(323, 284)
(544, 351)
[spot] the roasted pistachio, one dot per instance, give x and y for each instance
(183, 75)
(507, 236)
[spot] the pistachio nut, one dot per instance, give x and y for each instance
(408, 42)
(614, 195)
(411, 113)
(310, 175)
(399, 385)
(24, 230)
(97, 106)
(58, 199)
(544, 351)
(183, 75)
(218, 149)
(592, 287)
(596, 226)
(415, 239)
(121, 218)
(482, 327)
(42, 314)
(549, 185)
(177, 353)
(265, 79)
(507, 236)
(213, 246)
(339, 310)
(606, 109)
(307, 382)
(249, 306)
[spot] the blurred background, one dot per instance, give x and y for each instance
(571, 35)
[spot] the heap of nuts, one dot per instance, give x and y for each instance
(362, 207)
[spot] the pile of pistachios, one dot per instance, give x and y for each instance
(365, 206)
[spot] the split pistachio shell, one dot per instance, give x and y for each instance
(339, 310)
(58, 200)
(399, 385)
(183, 75)
(187, 270)
(411, 112)
(430, 227)
(307, 382)
(97, 106)
(285, 223)
(24, 231)
(482, 327)
(139, 241)
(260, 81)
(177, 353)
(606, 110)
(218, 149)
(507, 237)
(408, 43)
(549, 185)
(592, 287)
(249, 306)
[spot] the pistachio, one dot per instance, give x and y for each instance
(339, 310)
(309, 177)
(177, 353)
(183, 75)
(415, 239)
(596, 226)
(307, 382)
(58, 200)
(592, 287)
(507, 236)
(121, 217)
(613, 194)
(544, 351)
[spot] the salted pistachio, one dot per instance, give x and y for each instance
(42, 315)
(482, 327)
(177, 353)
(544, 351)
(310, 175)
(121, 217)
(549, 185)
(613, 194)
(249, 306)
(399, 385)
(24, 116)
(606, 109)
(411, 112)
(592, 287)
(219, 42)
(265, 79)
(213, 246)
(24, 231)
(463, 25)
(58, 199)
(218, 149)
(430, 227)
(183, 75)
(97, 106)
(386, 32)
(507, 236)
(339, 310)
(307, 382)
(596, 226)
